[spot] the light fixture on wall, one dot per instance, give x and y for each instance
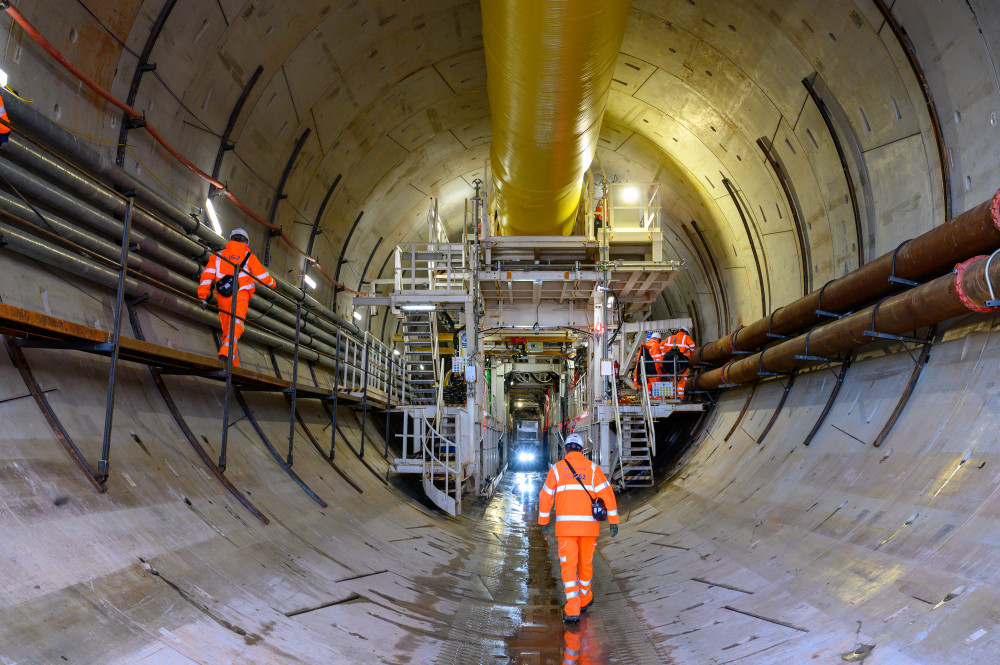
(630, 195)
(310, 282)
(357, 315)
(417, 308)
(3, 79)
(212, 216)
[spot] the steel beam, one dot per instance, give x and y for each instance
(141, 68)
(225, 144)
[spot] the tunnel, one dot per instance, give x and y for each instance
(841, 510)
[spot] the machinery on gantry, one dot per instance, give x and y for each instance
(492, 323)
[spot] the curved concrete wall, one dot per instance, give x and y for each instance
(752, 552)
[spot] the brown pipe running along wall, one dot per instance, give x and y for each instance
(941, 299)
(973, 232)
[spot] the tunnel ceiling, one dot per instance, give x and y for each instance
(393, 97)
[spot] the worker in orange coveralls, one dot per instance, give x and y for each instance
(220, 270)
(569, 488)
(651, 355)
(4, 126)
(681, 343)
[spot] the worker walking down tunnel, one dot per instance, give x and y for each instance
(573, 488)
(219, 271)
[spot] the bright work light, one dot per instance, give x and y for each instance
(213, 217)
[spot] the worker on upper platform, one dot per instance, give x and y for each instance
(571, 489)
(676, 353)
(219, 271)
(652, 357)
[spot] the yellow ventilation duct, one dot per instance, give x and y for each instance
(548, 72)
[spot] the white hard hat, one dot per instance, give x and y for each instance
(656, 335)
(239, 232)
(573, 441)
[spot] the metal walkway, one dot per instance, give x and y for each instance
(36, 330)
(515, 616)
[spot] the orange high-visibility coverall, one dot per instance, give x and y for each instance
(576, 528)
(685, 344)
(4, 128)
(225, 263)
(652, 346)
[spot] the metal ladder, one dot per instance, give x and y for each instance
(420, 355)
(636, 466)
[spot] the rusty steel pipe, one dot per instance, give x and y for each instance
(964, 290)
(974, 232)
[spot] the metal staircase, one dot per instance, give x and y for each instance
(635, 468)
(442, 463)
(420, 356)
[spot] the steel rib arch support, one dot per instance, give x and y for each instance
(279, 194)
(241, 400)
(19, 360)
(181, 423)
(141, 68)
(824, 112)
(225, 145)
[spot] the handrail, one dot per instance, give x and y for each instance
(437, 461)
(439, 404)
(618, 425)
(413, 273)
(647, 412)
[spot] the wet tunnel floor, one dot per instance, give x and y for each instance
(521, 574)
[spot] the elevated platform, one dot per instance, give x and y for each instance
(37, 330)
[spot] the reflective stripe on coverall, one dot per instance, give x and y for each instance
(685, 344)
(4, 128)
(576, 528)
(652, 347)
(218, 266)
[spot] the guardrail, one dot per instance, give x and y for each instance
(491, 463)
(435, 466)
(430, 266)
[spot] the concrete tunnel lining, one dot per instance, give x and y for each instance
(747, 552)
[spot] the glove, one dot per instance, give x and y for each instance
(614, 530)
(202, 303)
(547, 529)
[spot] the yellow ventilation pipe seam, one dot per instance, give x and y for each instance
(548, 72)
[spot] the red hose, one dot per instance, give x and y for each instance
(93, 85)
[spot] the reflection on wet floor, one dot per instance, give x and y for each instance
(527, 577)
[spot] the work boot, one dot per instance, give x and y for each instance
(569, 619)
(587, 606)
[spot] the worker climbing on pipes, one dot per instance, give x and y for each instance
(652, 356)
(574, 484)
(219, 271)
(676, 353)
